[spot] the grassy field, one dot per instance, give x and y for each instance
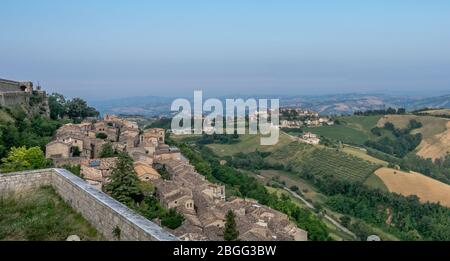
(340, 133)
(362, 123)
(351, 130)
(41, 215)
(426, 188)
(248, 143)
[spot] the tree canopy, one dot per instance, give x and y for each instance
(230, 232)
(76, 109)
(20, 159)
(124, 185)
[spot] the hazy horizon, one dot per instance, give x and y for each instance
(110, 49)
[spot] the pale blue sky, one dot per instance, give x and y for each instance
(104, 49)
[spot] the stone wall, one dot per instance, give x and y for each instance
(102, 211)
(21, 182)
(9, 99)
(72, 161)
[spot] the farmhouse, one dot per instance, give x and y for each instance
(310, 138)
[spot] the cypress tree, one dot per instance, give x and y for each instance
(230, 232)
(124, 181)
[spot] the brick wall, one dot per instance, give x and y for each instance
(102, 211)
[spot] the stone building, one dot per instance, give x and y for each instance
(97, 171)
(129, 138)
(145, 172)
(172, 195)
(254, 221)
(165, 152)
(58, 149)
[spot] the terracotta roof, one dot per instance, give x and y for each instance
(143, 169)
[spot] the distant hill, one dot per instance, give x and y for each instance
(145, 105)
(349, 103)
(433, 102)
(324, 104)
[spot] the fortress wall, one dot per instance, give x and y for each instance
(9, 86)
(13, 98)
(102, 211)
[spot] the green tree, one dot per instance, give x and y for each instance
(77, 109)
(76, 151)
(295, 189)
(56, 103)
(107, 151)
(172, 219)
(230, 232)
(345, 220)
(101, 135)
(75, 169)
(124, 185)
(164, 173)
(19, 159)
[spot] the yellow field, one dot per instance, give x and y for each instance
(438, 112)
(435, 132)
(426, 188)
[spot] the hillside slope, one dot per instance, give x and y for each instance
(435, 133)
(407, 184)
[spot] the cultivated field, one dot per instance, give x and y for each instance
(324, 161)
(426, 188)
(435, 132)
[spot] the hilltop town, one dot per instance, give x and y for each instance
(178, 185)
(293, 117)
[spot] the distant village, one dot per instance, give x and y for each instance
(203, 204)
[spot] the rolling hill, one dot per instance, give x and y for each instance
(435, 133)
(407, 184)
